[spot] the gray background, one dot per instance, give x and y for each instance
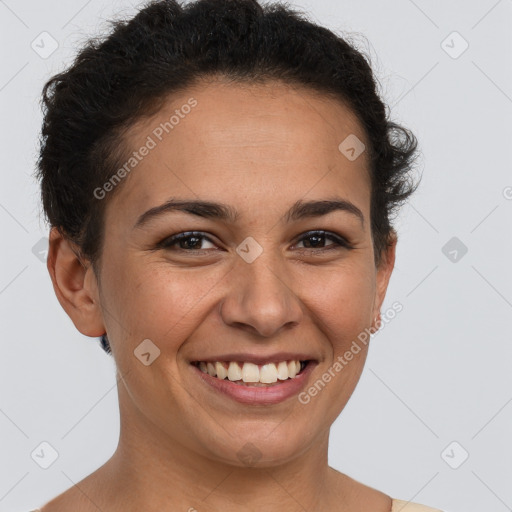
(438, 373)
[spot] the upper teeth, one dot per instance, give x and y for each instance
(250, 372)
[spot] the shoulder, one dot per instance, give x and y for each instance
(408, 506)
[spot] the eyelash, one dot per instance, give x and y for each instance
(169, 242)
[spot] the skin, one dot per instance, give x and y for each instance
(259, 149)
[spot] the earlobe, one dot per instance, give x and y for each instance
(75, 284)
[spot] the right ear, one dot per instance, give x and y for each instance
(75, 284)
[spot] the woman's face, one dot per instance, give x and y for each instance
(252, 285)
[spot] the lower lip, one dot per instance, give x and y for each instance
(259, 395)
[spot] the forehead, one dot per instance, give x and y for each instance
(224, 141)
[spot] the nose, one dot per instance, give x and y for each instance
(260, 299)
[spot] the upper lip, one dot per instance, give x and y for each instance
(246, 357)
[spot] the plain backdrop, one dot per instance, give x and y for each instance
(431, 418)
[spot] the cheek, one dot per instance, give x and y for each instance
(342, 299)
(163, 303)
(342, 305)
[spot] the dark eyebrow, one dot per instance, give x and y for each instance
(206, 209)
(304, 209)
(210, 210)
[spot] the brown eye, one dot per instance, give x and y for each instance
(191, 240)
(317, 240)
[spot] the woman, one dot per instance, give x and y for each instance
(219, 179)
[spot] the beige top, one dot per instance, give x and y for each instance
(408, 506)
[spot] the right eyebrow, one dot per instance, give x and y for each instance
(206, 209)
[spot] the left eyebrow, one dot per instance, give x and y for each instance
(207, 209)
(305, 209)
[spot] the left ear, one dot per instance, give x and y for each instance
(384, 270)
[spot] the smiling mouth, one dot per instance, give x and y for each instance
(253, 375)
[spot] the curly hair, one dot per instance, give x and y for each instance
(165, 48)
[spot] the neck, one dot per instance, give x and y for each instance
(151, 471)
